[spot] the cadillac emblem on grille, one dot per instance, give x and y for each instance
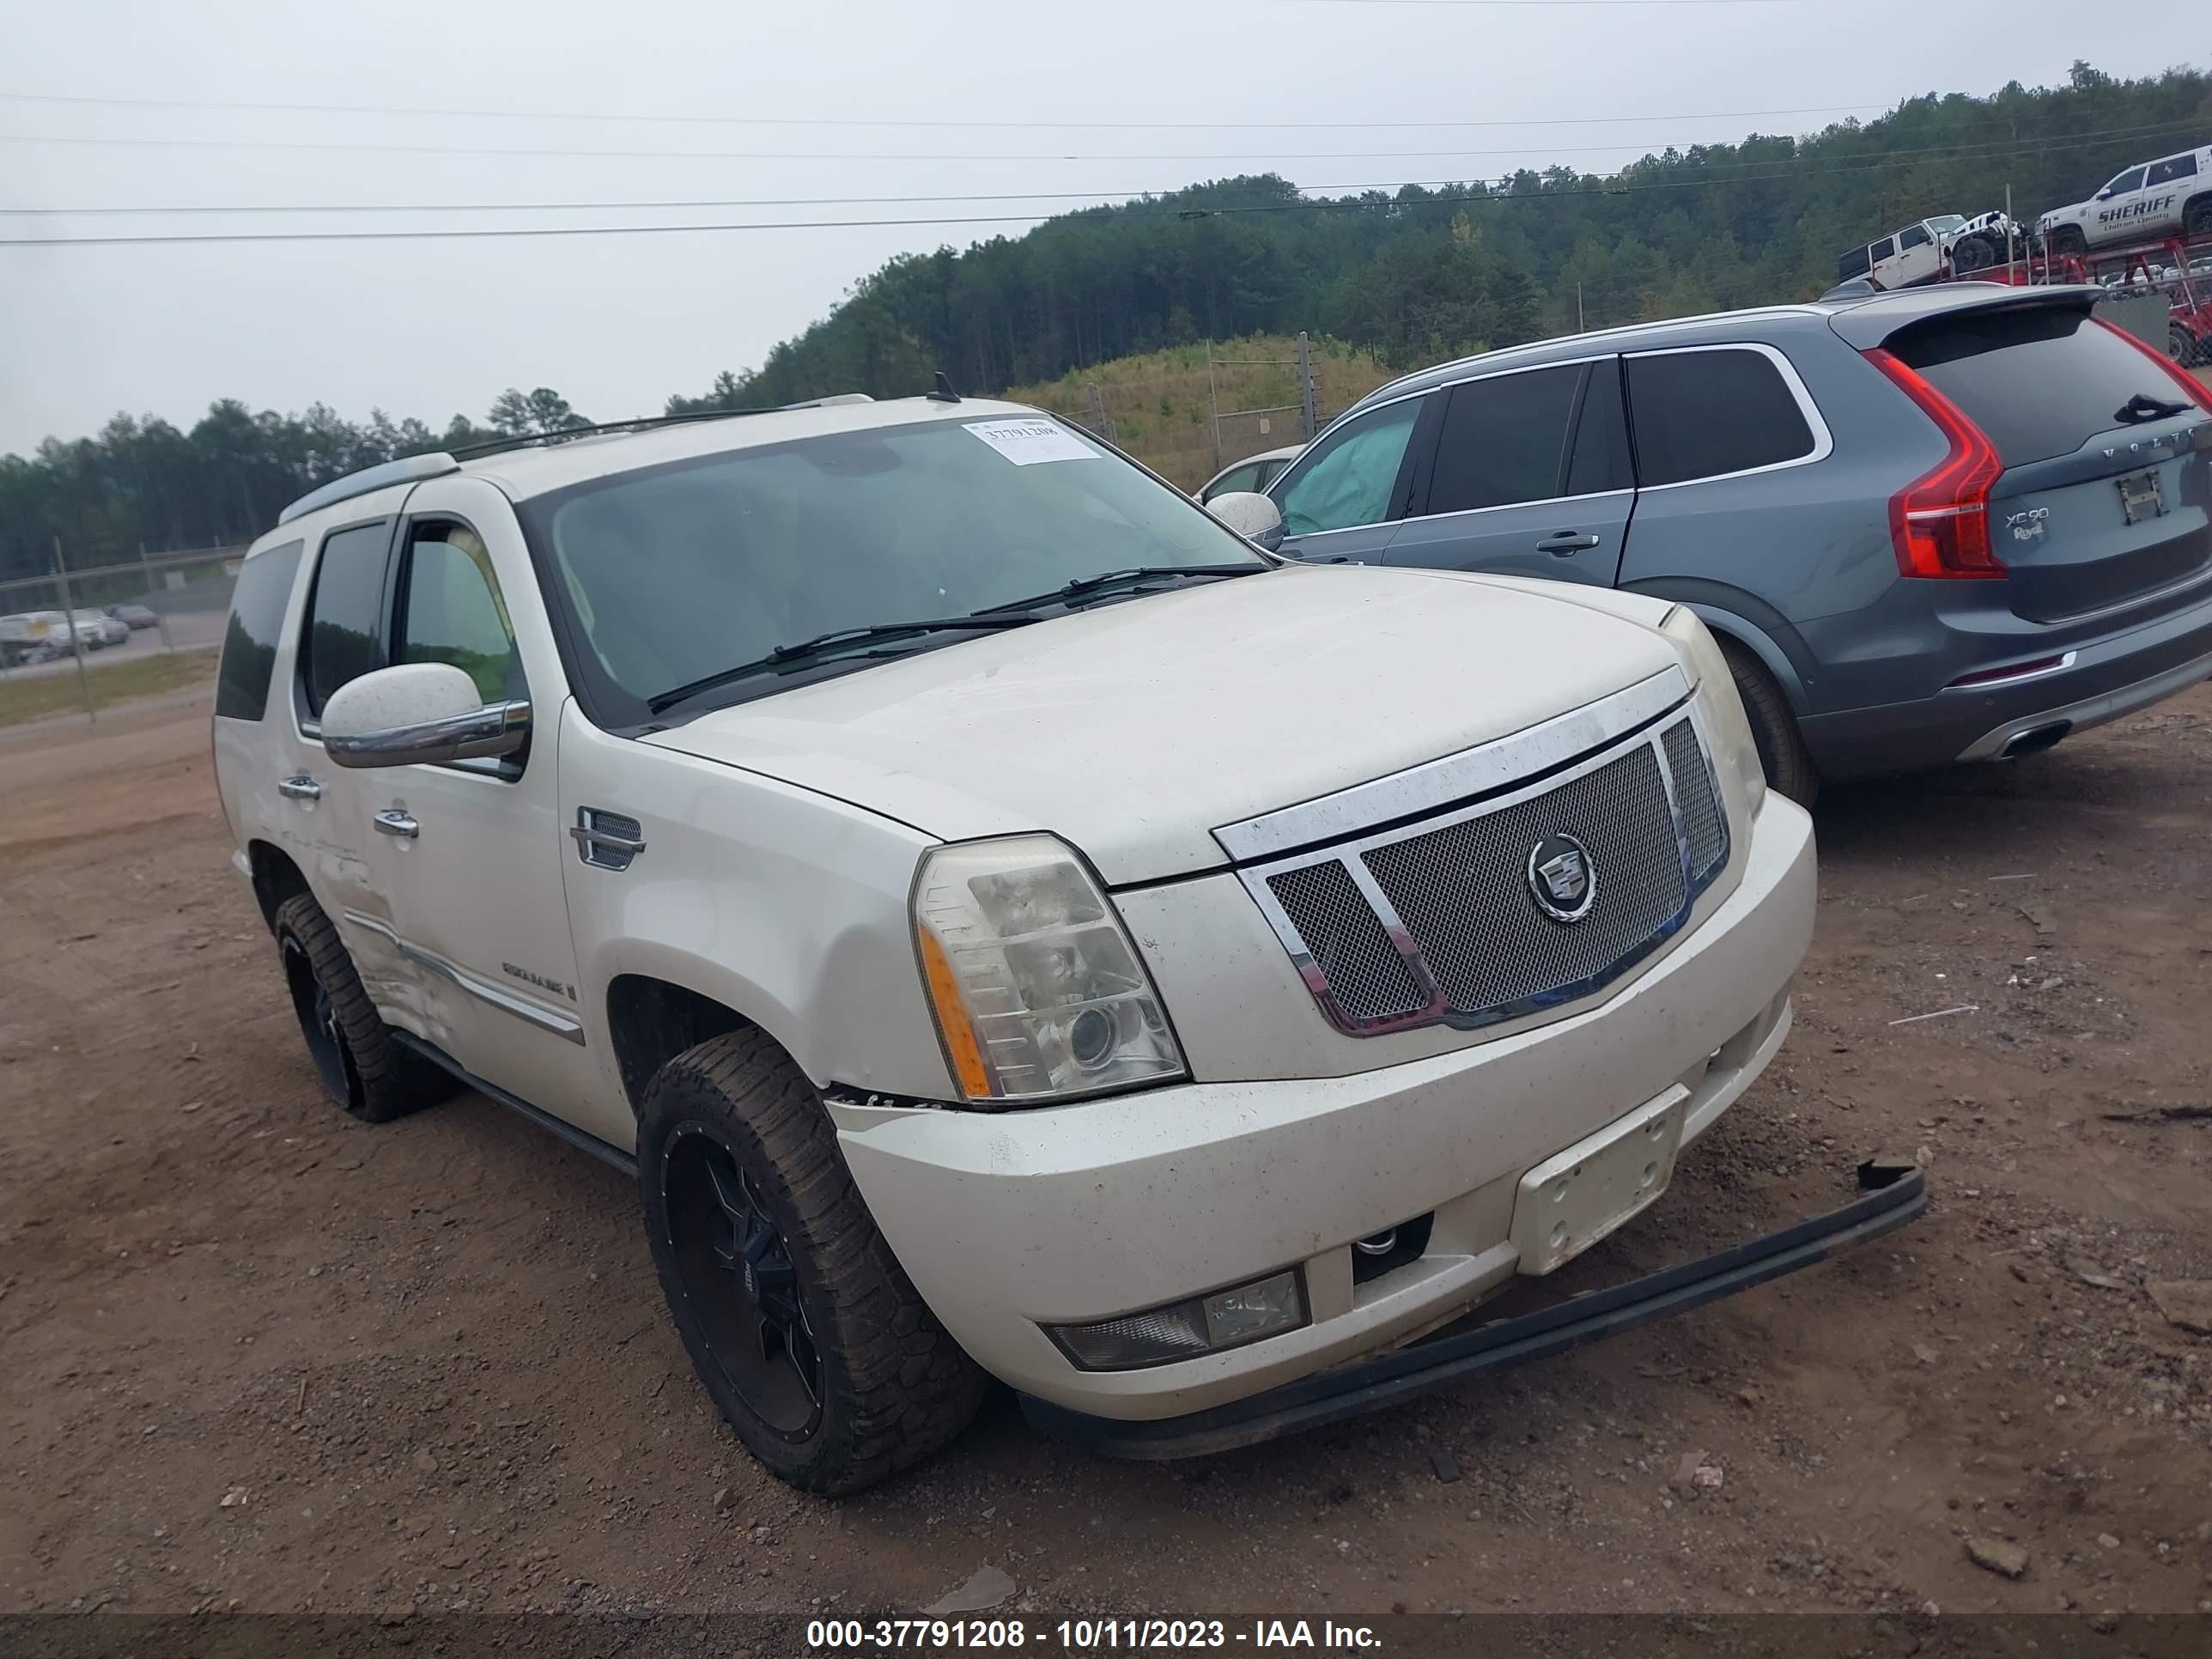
(1562, 877)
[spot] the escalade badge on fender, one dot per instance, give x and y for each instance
(1562, 877)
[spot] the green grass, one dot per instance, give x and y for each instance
(25, 697)
(1160, 402)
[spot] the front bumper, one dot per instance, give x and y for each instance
(1008, 1222)
(1897, 1195)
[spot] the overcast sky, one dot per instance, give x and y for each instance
(616, 323)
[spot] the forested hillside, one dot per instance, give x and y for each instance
(1409, 275)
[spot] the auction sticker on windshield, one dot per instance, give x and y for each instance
(1026, 442)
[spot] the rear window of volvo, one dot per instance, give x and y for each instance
(2039, 382)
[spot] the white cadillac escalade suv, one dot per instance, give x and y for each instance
(1009, 923)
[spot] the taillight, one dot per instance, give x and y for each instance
(2191, 388)
(1939, 524)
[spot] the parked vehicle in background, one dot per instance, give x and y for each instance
(32, 635)
(1254, 472)
(2171, 194)
(1954, 524)
(1929, 249)
(97, 629)
(829, 814)
(133, 616)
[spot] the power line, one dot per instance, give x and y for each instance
(420, 112)
(498, 233)
(1780, 165)
(776, 154)
(908, 156)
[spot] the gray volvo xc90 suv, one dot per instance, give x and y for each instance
(1951, 524)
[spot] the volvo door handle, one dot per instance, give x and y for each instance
(397, 822)
(300, 787)
(1566, 541)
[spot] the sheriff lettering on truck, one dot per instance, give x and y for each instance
(1006, 922)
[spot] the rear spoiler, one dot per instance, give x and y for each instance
(1873, 322)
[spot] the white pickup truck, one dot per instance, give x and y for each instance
(2171, 196)
(1007, 922)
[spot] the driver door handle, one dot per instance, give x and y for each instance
(300, 787)
(397, 822)
(1566, 542)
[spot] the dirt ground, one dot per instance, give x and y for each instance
(256, 1355)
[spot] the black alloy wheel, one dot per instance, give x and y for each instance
(736, 1271)
(319, 1024)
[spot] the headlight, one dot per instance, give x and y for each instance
(1036, 988)
(1733, 743)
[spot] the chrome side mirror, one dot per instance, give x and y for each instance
(1251, 515)
(418, 713)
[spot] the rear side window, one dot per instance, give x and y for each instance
(2178, 167)
(1706, 414)
(344, 635)
(1884, 248)
(1504, 439)
(2039, 382)
(1236, 480)
(249, 642)
(1854, 263)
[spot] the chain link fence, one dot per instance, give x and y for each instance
(73, 640)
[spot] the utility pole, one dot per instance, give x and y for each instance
(161, 617)
(1307, 414)
(1580, 327)
(76, 640)
(1213, 400)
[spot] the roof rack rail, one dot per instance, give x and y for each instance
(644, 424)
(406, 470)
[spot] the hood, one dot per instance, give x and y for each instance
(1132, 730)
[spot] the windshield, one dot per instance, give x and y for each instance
(675, 574)
(1945, 222)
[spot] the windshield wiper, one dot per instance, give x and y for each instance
(1105, 581)
(2141, 408)
(822, 644)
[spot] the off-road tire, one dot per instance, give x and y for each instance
(895, 1387)
(2065, 241)
(1976, 252)
(382, 1080)
(1789, 769)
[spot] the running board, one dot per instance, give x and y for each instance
(582, 1139)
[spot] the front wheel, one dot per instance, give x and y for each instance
(808, 1334)
(1781, 754)
(2068, 241)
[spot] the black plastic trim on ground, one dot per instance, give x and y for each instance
(1898, 1195)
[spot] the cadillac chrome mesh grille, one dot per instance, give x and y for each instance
(1703, 831)
(1346, 941)
(1439, 922)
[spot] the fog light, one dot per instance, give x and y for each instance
(1184, 1330)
